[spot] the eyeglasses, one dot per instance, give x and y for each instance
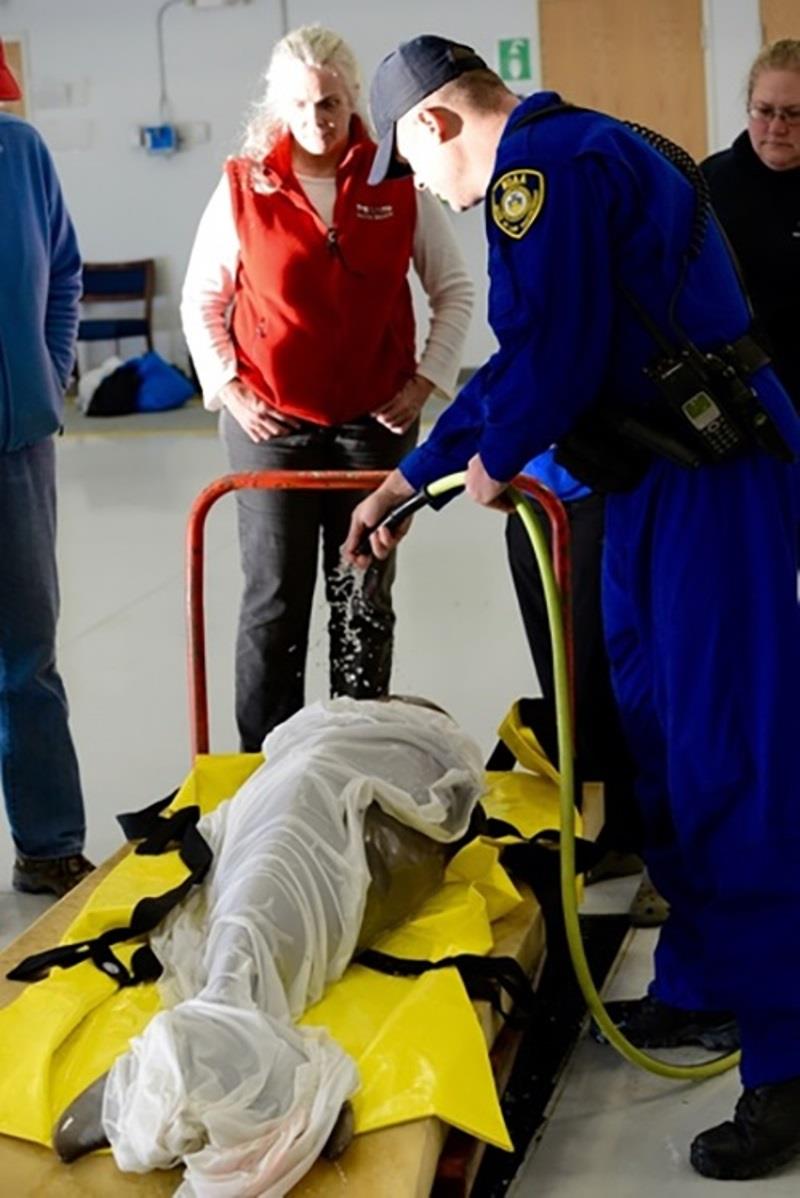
(768, 112)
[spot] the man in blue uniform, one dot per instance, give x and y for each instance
(603, 262)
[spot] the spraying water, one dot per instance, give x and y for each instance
(361, 632)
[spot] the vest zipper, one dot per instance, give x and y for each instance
(335, 251)
(335, 247)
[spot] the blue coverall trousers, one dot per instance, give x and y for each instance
(703, 628)
(38, 767)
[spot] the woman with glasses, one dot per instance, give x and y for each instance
(755, 188)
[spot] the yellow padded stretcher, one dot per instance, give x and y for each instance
(420, 1045)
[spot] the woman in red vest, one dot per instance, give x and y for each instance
(298, 316)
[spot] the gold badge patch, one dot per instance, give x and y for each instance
(517, 199)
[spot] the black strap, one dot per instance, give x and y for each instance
(159, 836)
(750, 353)
(538, 715)
(490, 979)
(537, 861)
(501, 759)
(487, 979)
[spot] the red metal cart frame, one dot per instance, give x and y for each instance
(324, 480)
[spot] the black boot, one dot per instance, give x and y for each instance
(764, 1134)
(649, 1023)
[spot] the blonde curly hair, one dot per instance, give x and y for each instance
(314, 46)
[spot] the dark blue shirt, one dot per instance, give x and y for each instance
(40, 284)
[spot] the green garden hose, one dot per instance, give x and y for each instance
(594, 1002)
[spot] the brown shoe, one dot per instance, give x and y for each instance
(49, 875)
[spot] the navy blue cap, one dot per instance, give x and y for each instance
(410, 73)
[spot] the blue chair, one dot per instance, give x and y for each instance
(124, 283)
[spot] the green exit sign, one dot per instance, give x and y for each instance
(514, 58)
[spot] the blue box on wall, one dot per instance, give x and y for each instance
(160, 139)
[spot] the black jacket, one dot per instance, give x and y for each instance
(759, 210)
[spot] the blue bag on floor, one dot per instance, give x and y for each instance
(161, 386)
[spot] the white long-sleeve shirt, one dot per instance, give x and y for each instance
(210, 283)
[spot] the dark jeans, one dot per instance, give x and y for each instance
(38, 766)
(279, 534)
(602, 752)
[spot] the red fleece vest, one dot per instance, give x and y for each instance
(322, 318)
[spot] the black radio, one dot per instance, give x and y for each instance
(711, 405)
(709, 413)
(687, 390)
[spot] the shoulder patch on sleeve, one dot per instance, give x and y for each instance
(517, 199)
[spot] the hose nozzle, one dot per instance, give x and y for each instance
(403, 511)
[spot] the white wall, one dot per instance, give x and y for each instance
(126, 204)
(93, 75)
(733, 38)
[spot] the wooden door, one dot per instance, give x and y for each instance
(780, 18)
(641, 60)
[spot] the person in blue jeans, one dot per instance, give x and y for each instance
(41, 270)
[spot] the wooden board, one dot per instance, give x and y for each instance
(640, 62)
(384, 1164)
(780, 18)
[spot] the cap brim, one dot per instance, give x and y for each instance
(9, 88)
(385, 164)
